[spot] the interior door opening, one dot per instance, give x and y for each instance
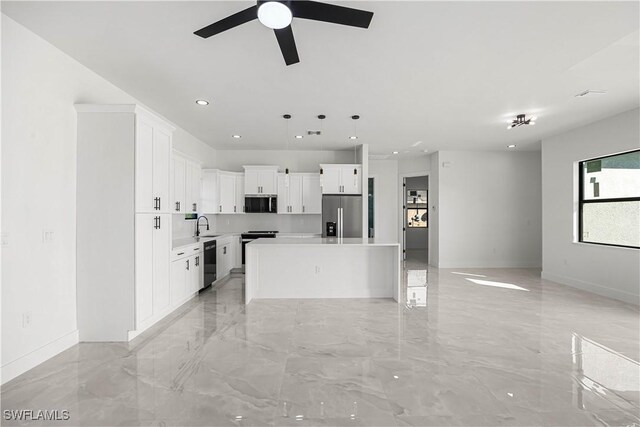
(415, 228)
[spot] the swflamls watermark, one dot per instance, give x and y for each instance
(36, 414)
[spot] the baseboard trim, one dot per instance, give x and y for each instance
(30, 360)
(592, 287)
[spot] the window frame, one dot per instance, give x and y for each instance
(582, 201)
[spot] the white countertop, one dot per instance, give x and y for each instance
(320, 241)
(188, 241)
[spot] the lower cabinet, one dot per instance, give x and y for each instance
(186, 277)
(152, 251)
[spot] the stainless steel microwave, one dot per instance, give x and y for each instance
(261, 204)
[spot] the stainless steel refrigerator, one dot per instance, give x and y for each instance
(342, 215)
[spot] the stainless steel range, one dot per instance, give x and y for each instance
(250, 236)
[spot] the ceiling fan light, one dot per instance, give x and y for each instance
(274, 15)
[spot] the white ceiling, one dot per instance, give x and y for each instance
(448, 74)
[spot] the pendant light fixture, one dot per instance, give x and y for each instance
(287, 117)
(355, 153)
(321, 117)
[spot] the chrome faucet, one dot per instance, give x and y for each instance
(198, 225)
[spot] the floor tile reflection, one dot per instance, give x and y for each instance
(464, 354)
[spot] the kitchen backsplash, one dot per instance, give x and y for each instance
(238, 223)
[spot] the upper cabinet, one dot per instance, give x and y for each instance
(185, 185)
(260, 180)
(222, 192)
(299, 193)
(341, 179)
(152, 163)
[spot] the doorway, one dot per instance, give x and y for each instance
(415, 217)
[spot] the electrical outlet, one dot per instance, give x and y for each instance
(26, 319)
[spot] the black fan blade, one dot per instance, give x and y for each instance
(229, 22)
(331, 13)
(287, 45)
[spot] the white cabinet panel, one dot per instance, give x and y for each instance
(178, 172)
(192, 186)
(161, 263)
(239, 206)
(268, 181)
(161, 168)
(260, 180)
(251, 182)
(178, 280)
(295, 193)
(311, 194)
(227, 185)
(341, 179)
(153, 148)
(331, 179)
(352, 182)
(283, 194)
(144, 167)
(209, 195)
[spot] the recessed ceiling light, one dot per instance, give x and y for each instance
(236, 136)
(202, 102)
(425, 151)
(353, 137)
(511, 146)
(274, 15)
(395, 152)
(299, 136)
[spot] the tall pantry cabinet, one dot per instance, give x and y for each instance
(123, 220)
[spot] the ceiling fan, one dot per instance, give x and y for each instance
(278, 14)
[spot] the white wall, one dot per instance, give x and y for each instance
(414, 164)
(489, 209)
(295, 160)
(386, 199)
(609, 271)
(417, 238)
(40, 85)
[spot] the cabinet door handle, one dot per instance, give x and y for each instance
(224, 250)
(234, 208)
(156, 203)
(159, 203)
(197, 261)
(195, 208)
(302, 208)
(187, 264)
(178, 206)
(159, 223)
(220, 208)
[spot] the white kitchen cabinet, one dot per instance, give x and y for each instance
(311, 194)
(187, 276)
(227, 186)
(239, 206)
(260, 180)
(302, 195)
(193, 186)
(290, 193)
(341, 179)
(225, 257)
(123, 200)
(152, 251)
(237, 251)
(186, 185)
(178, 183)
(152, 163)
(222, 192)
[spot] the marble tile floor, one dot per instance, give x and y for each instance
(490, 347)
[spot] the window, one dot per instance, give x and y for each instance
(610, 200)
(417, 208)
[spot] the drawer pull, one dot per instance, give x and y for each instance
(180, 253)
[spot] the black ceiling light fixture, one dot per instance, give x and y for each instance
(522, 120)
(278, 15)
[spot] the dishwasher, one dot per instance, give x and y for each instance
(209, 266)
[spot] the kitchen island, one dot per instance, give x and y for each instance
(322, 268)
